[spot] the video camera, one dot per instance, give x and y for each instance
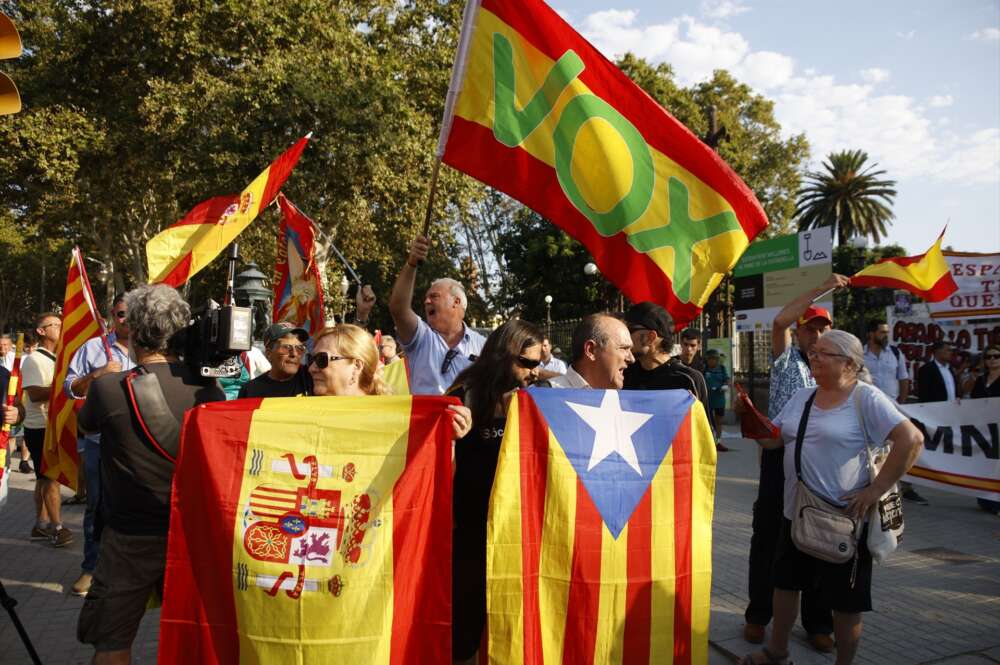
(218, 334)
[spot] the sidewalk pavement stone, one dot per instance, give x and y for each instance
(927, 610)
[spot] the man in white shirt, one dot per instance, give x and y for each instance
(551, 366)
(886, 364)
(37, 371)
(6, 352)
(602, 349)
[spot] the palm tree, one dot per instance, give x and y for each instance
(848, 197)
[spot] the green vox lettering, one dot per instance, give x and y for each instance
(510, 125)
(683, 233)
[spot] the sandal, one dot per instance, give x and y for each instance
(771, 659)
(75, 501)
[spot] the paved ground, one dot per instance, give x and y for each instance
(937, 601)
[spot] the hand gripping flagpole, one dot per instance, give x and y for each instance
(454, 88)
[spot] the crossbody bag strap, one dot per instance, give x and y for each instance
(803, 421)
(150, 408)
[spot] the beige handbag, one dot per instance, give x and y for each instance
(819, 528)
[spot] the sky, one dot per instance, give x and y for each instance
(914, 84)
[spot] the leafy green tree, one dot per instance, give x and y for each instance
(849, 196)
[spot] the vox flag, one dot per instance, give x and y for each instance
(927, 275)
(537, 112)
(298, 288)
(177, 253)
(600, 529)
(80, 323)
(311, 530)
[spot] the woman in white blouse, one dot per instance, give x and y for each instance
(835, 468)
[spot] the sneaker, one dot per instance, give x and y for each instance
(38, 533)
(82, 584)
(24, 467)
(910, 494)
(62, 537)
(721, 447)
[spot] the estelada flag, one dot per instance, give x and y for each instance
(298, 288)
(926, 275)
(599, 541)
(311, 530)
(537, 112)
(80, 323)
(177, 253)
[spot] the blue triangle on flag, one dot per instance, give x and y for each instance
(615, 479)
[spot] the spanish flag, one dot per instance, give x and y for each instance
(926, 275)
(311, 530)
(298, 286)
(178, 252)
(537, 112)
(80, 323)
(599, 542)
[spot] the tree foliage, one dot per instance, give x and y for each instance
(849, 196)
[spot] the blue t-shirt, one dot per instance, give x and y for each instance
(427, 352)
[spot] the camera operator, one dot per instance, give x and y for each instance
(137, 467)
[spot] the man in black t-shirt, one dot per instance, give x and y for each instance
(285, 346)
(137, 470)
(652, 338)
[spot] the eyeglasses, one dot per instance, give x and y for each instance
(323, 359)
(448, 358)
(120, 315)
(49, 325)
(992, 356)
(290, 348)
(815, 353)
(528, 363)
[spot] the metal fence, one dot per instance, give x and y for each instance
(752, 364)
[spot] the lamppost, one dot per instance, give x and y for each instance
(345, 285)
(548, 315)
(253, 290)
(860, 243)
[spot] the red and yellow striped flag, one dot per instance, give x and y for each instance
(926, 275)
(80, 323)
(178, 252)
(537, 112)
(599, 543)
(311, 530)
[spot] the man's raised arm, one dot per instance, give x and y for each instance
(401, 298)
(781, 335)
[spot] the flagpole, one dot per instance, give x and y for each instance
(89, 297)
(454, 89)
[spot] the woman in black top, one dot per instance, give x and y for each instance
(988, 383)
(509, 360)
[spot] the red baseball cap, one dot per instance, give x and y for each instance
(815, 312)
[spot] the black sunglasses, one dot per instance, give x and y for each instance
(121, 315)
(992, 356)
(322, 359)
(528, 363)
(448, 358)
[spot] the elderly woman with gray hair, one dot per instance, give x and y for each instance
(834, 467)
(129, 410)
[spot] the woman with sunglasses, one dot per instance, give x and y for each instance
(344, 362)
(988, 385)
(509, 360)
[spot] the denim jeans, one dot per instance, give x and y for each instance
(92, 466)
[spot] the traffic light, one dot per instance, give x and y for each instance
(10, 47)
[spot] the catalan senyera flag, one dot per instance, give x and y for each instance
(80, 323)
(311, 530)
(926, 275)
(600, 529)
(177, 253)
(298, 288)
(537, 112)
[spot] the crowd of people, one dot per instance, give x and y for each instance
(850, 390)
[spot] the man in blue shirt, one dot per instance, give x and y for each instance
(89, 363)
(442, 346)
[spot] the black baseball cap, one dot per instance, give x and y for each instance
(276, 331)
(649, 316)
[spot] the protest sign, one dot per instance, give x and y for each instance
(978, 280)
(961, 446)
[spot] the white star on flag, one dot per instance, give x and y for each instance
(614, 429)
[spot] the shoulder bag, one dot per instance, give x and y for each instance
(885, 525)
(819, 528)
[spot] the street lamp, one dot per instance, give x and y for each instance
(548, 315)
(345, 285)
(253, 290)
(590, 269)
